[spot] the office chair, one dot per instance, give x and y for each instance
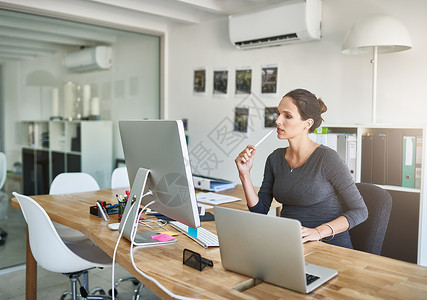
(369, 235)
(3, 173)
(66, 183)
(72, 258)
(120, 178)
(74, 182)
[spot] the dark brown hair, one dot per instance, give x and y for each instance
(309, 106)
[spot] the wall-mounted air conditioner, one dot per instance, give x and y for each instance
(290, 22)
(89, 59)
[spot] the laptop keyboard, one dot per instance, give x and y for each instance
(311, 278)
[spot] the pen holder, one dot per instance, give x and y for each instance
(122, 206)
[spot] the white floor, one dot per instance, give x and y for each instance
(52, 285)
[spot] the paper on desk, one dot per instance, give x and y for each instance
(215, 199)
(163, 237)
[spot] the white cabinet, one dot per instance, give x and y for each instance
(53, 147)
(394, 157)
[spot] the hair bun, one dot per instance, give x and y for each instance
(323, 107)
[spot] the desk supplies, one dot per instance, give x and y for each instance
(102, 212)
(215, 199)
(212, 184)
(111, 209)
(195, 260)
(122, 200)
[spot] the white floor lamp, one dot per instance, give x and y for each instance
(376, 34)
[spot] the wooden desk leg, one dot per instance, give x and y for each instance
(31, 274)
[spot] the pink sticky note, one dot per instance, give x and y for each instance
(163, 237)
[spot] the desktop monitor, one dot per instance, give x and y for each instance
(160, 147)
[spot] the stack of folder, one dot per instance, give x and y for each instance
(391, 158)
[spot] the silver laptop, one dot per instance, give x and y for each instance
(267, 248)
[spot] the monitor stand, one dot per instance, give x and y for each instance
(131, 212)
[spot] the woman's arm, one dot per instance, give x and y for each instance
(244, 163)
(353, 206)
(329, 229)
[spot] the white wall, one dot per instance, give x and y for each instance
(342, 81)
(129, 90)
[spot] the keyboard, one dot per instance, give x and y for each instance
(310, 278)
(204, 238)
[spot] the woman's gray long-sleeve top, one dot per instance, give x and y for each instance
(317, 192)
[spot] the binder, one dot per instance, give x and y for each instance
(367, 157)
(212, 184)
(418, 160)
(379, 159)
(394, 158)
(331, 140)
(351, 154)
(342, 146)
(408, 166)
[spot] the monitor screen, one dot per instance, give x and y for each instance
(160, 146)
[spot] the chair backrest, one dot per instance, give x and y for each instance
(76, 182)
(120, 178)
(369, 236)
(3, 168)
(47, 247)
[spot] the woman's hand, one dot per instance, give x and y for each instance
(245, 159)
(310, 234)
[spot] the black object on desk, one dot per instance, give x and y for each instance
(195, 260)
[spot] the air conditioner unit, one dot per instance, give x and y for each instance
(89, 59)
(290, 22)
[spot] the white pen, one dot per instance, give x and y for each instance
(262, 140)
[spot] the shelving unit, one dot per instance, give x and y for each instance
(406, 237)
(53, 147)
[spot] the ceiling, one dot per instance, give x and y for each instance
(25, 36)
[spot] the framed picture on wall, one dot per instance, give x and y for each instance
(243, 81)
(270, 116)
(199, 82)
(220, 82)
(241, 119)
(269, 79)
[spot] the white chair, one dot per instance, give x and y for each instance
(74, 182)
(3, 168)
(66, 183)
(120, 178)
(56, 255)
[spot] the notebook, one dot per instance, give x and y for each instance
(267, 248)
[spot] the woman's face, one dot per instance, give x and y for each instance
(289, 122)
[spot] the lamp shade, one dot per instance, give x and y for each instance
(385, 32)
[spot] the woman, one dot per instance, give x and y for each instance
(311, 181)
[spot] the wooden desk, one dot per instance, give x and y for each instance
(360, 275)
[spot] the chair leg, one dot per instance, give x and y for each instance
(138, 290)
(64, 294)
(96, 293)
(73, 280)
